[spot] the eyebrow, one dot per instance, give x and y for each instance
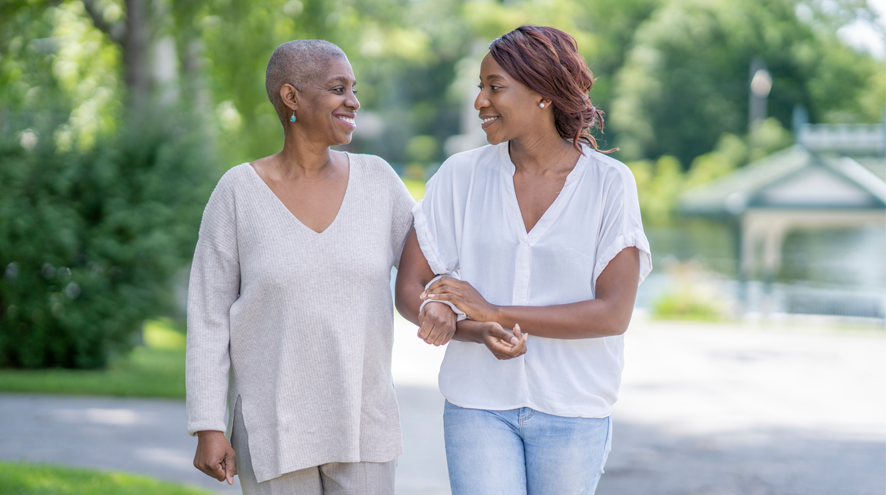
(343, 79)
(492, 76)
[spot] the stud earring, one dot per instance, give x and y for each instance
(542, 104)
(292, 119)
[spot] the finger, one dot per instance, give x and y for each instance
(512, 351)
(230, 469)
(517, 332)
(444, 333)
(438, 334)
(504, 335)
(440, 296)
(218, 471)
(448, 282)
(521, 347)
(425, 334)
(500, 348)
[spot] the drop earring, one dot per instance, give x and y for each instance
(292, 119)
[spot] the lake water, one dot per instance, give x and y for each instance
(833, 272)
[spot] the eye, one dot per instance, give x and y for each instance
(338, 90)
(354, 90)
(495, 87)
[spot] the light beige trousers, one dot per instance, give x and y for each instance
(336, 478)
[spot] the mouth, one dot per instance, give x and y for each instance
(347, 120)
(488, 121)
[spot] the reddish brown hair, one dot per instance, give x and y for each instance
(547, 61)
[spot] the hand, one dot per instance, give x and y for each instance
(214, 456)
(437, 322)
(502, 343)
(463, 295)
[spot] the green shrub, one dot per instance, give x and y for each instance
(90, 239)
(691, 296)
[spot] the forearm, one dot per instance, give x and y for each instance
(581, 320)
(412, 276)
(408, 299)
(469, 331)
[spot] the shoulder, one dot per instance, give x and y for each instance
(608, 170)
(234, 177)
(373, 167)
(465, 165)
(230, 183)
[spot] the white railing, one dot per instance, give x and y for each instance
(844, 138)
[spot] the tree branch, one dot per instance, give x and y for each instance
(114, 31)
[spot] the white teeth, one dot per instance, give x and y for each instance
(348, 120)
(489, 119)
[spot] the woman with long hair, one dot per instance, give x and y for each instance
(527, 254)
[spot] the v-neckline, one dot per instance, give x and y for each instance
(341, 206)
(554, 209)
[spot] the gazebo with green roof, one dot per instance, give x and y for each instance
(834, 177)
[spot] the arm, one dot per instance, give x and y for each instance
(213, 288)
(437, 322)
(607, 315)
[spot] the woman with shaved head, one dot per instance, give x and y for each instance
(290, 315)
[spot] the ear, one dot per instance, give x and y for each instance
(289, 95)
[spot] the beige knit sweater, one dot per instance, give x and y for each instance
(296, 323)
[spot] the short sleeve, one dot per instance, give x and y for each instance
(621, 225)
(439, 219)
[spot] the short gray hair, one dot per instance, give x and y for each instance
(296, 63)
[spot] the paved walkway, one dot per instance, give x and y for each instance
(704, 410)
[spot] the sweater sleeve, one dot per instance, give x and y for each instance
(401, 214)
(213, 288)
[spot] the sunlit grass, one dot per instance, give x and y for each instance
(416, 188)
(155, 370)
(33, 479)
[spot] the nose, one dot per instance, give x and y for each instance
(352, 102)
(481, 101)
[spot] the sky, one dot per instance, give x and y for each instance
(864, 35)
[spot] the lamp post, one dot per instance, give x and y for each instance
(760, 85)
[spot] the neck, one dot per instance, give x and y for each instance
(540, 152)
(303, 157)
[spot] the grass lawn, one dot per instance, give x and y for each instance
(36, 479)
(155, 370)
(416, 188)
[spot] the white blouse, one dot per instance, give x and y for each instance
(470, 223)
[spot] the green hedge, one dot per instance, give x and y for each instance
(90, 239)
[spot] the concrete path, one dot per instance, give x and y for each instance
(704, 410)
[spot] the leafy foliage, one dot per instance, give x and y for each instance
(90, 239)
(686, 78)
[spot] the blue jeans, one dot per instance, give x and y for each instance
(523, 451)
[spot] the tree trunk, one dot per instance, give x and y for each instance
(135, 48)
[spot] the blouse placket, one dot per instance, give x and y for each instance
(523, 258)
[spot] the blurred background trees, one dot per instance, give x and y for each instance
(118, 116)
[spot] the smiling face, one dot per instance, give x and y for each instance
(327, 105)
(508, 109)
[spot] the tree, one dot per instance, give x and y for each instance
(685, 80)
